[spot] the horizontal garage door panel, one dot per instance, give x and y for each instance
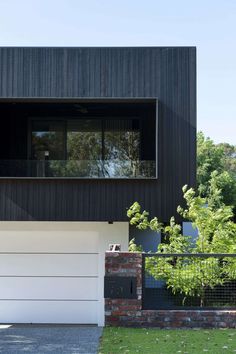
(48, 264)
(83, 312)
(48, 288)
(53, 272)
(49, 241)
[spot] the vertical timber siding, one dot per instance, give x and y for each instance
(165, 73)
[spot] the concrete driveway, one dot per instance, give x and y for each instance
(53, 339)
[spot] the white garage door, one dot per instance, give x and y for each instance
(52, 272)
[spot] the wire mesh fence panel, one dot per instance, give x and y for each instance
(189, 281)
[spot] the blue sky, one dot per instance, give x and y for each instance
(210, 25)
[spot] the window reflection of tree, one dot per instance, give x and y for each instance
(122, 148)
(47, 141)
(92, 148)
(109, 149)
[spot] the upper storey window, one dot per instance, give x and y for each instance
(93, 148)
(86, 140)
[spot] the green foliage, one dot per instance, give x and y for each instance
(176, 242)
(222, 190)
(140, 219)
(209, 159)
(133, 247)
(189, 276)
(216, 171)
(216, 230)
(211, 211)
(229, 158)
(216, 234)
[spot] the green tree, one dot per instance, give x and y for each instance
(222, 189)
(209, 159)
(229, 157)
(216, 171)
(216, 234)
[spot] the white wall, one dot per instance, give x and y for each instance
(60, 237)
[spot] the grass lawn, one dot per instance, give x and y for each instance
(148, 341)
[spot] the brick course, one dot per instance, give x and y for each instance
(129, 313)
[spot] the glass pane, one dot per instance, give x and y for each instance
(84, 147)
(48, 140)
(122, 147)
(93, 148)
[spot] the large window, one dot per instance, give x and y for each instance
(90, 138)
(88, 147)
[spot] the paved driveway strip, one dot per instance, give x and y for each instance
(53, 339)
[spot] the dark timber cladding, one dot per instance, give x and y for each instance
(164, 73)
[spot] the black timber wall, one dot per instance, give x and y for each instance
(165, 73)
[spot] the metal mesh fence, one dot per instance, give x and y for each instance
(189, 281)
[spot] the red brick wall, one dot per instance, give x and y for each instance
(128, 312)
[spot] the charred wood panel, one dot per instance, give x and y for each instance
(165, 73)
